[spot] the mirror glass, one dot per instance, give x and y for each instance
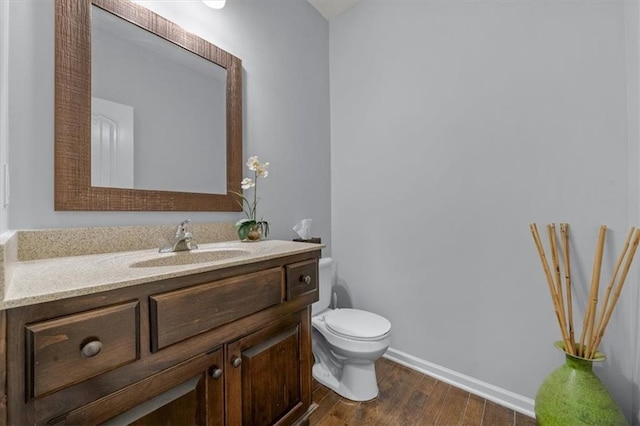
(148, 117)
(158, 112)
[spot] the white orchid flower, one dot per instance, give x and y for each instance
(262, 171)
(247, 183)
(253, 163)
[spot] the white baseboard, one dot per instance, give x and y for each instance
(488, 391)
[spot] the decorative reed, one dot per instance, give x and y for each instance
(594, 324)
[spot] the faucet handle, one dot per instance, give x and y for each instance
(182, 228)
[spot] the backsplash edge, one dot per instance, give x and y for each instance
(51, 243)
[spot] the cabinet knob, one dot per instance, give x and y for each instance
(91, 348)
(305, 279)
(215, 373)
(236, 362)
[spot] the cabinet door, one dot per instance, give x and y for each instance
(191, 393)
(265, 375)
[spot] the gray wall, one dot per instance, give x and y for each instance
(284, 47)
(453, 126)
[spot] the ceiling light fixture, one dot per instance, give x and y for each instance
(215, 4)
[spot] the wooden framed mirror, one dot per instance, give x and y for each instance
(73, 117)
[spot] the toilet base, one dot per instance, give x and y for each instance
(357, 381)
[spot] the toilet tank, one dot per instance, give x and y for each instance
(325, 278)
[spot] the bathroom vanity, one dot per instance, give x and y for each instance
(223, 340)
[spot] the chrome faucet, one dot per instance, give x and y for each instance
(182, 241)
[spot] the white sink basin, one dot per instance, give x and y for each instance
(188, 258)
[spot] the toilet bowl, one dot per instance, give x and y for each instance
(346, 343)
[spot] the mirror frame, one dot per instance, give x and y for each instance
(73, 190)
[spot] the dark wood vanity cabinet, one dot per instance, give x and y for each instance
(226, 347)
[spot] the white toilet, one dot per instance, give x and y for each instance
(346, 343)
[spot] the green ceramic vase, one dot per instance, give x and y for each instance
(573, 395)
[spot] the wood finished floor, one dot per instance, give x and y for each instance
(411, 398)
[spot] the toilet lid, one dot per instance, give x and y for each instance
(357, 323)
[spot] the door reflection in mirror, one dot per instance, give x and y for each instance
(111, 144)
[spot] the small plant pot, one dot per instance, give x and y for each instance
(254, 234)
(250, 230)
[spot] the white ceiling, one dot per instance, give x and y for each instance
(331, 8)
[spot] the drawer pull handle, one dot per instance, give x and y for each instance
(216, 373)
(91, 348)
(305, 279)
(236, 362)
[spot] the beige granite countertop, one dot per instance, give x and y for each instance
(51, 278)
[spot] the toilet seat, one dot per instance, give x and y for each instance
(357, 324)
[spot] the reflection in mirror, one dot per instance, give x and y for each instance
(158, 112)
(111, 144)
(177, 110)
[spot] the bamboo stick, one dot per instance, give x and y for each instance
(616, 296)
(596, 278)
(547, 272)
(593, 347)
(587, 324)
(564, 233)
(553, 245)
(551, 232)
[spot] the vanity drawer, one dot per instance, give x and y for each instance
(302, 278)
(180, 314)
(67, 350)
